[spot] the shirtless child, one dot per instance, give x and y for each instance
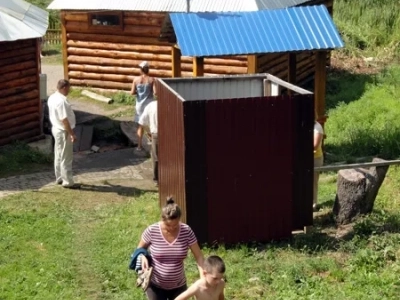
(211, 286)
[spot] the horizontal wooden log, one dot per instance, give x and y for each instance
(112, 62)
(18, 52)
(15, 83)
(15, 45)
(18, 98)
(119, 47)
(16, 59)
(305, 74)
(100, 77)
(18, 74)
(100, 69)
(225, 62)
(280, 60)
(4, 116)
(217, 69)
(21, 122)
(20, 106)
(146, 31)
(18, 90)
(134, 70)
(114, 54)
(19, 66)
(100, 84)
(115, 39)
(24, 136)
(114, 85)
(267, 58)
(141, 21)
(70, 25)
(76, 17)
(150, 15)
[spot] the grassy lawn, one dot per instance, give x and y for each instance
(76, 245)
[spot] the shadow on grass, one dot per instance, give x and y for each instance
(325, 238)
(121, 190)
(345, 87)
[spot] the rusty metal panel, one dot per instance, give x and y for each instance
(249, 169)
(171, 147)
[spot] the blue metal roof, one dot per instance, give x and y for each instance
(267, 31)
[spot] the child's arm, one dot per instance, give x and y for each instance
(191, 291)
(221, 295)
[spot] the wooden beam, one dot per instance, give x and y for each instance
(176, 61)
(320, 85)
(64, 45)
(292, 70)
(357, 165)
(39, 70)
(198, 66)
(252, 64)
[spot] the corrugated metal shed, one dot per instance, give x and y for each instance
(174, 5)
(231, 191)
(268, 31)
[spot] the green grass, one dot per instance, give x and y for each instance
(76, 245)
(369, 27)
(19, 158)
(364, 115)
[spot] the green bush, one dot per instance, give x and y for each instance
(370, 26)
(123, 98)
(369, 125)
(19, 155)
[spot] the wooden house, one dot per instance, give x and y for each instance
(20, 103)
(104, 41)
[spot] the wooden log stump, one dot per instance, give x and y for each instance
(356, 192)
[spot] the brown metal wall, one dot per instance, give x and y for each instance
(303, 159)
(20, 105)
(171, 155)
(196, 168)
(249, 152)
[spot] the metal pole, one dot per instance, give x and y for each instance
(359, 165)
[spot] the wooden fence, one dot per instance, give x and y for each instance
(53, 34)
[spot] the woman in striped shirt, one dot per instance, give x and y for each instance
(168, 242)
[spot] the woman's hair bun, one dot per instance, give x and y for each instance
(170, 200)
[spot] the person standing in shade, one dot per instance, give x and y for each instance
(149, 119)
(318, 160)
(62, 119)
(144, 88)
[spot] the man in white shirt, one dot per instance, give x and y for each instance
(63, 121)
(149, 119)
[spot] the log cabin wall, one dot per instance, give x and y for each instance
(224, 65)
(20, 104)
(108, 56)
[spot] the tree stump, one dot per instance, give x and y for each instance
(356, 192)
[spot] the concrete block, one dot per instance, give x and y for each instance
(44, 146)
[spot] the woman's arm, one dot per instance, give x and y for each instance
(198, 255)
(145, 262)
(133, 89)
(317, 139)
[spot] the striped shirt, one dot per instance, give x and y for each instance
(168, 268)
